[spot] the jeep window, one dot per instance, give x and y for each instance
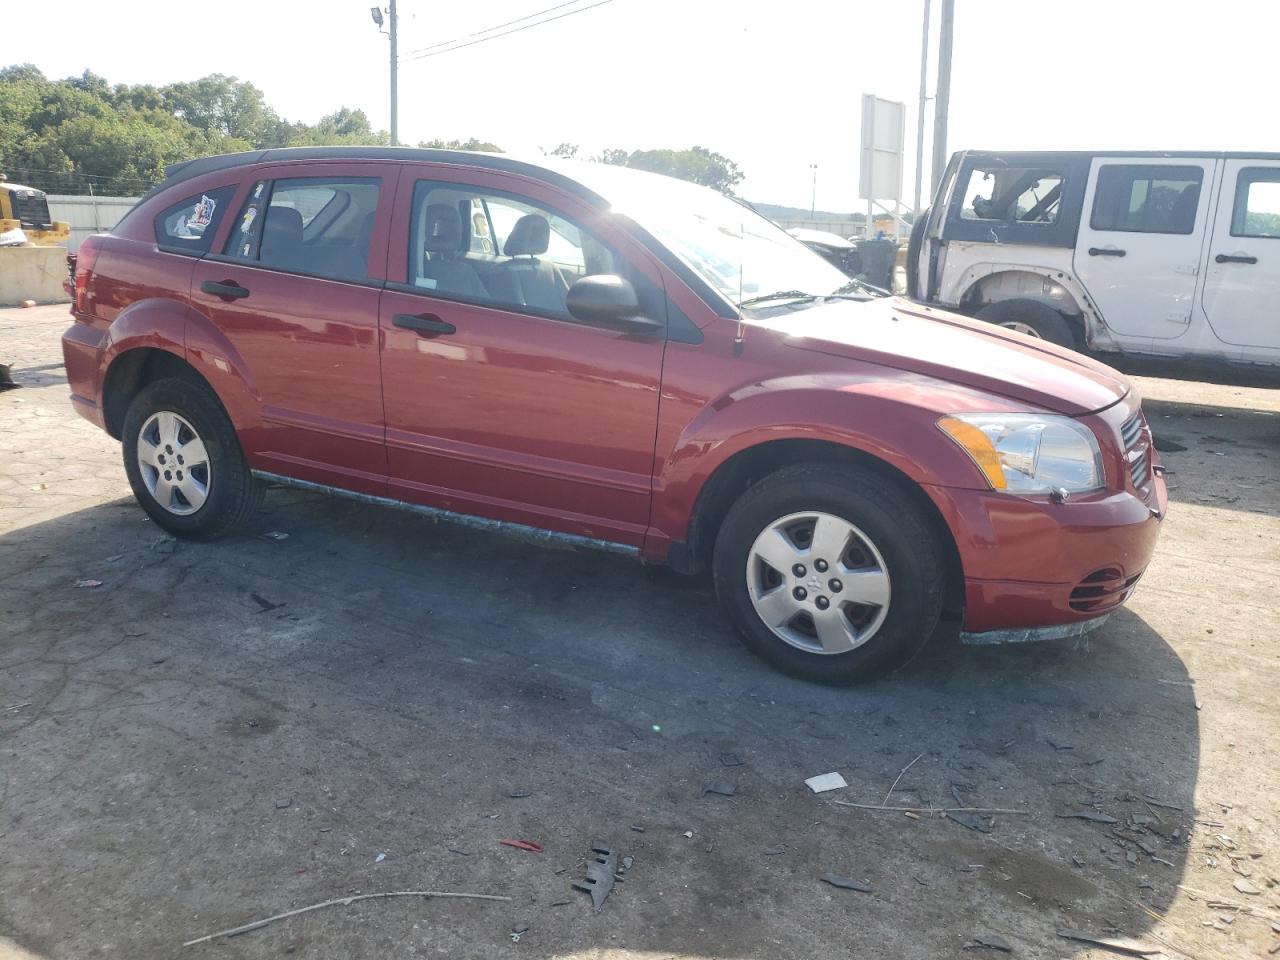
(189, 226)
(1146, 198)
(320, 227)
(1013, 194)
(1257, 208)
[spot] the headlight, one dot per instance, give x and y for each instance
(1028, 452)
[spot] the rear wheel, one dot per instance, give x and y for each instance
(1032, 318)
(829, 572)
(184, 461)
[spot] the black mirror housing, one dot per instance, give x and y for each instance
(608, 300)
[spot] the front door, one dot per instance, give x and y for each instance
(295, 287)
(498, 402)
(1139, 247)
(1242, 281)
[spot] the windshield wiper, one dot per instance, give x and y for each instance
(856, 284)
(779, 295)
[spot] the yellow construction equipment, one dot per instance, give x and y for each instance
(27, 208)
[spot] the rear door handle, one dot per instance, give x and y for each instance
(427, 323)
(227, 289)
(1234, 258)
(1105, 252)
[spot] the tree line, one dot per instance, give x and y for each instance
(83, 134)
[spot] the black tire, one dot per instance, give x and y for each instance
(233, 493)
(1047, 322)
(914, 243)
(889, 518)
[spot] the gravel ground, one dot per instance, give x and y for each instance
(222, 732)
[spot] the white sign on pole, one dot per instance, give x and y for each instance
(883, 129)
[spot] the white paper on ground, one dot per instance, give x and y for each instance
(824, 782)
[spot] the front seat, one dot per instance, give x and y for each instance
(442, 245)
(282, 238)
(538, 283)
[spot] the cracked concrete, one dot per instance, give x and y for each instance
(415, 675)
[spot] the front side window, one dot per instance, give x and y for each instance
(1257, 208)
(1012, 194)
(317, 226)
(189, 225)
(471, 244)
(1133, 198)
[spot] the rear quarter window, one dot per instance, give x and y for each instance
(189, 225)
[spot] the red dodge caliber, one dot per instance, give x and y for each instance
(618, 360)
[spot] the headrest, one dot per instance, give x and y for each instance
(284, 225)
(444, 228)
(529, 237)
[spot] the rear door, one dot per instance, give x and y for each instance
(1242, 279)
(498, 402)
(1141, 237)
(295, 288)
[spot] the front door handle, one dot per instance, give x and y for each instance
(1234, 258)
(427, 324)
(227, 289)
(1105, 252)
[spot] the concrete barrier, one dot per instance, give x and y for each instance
(32, 273)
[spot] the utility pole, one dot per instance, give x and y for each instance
(940, 103)
(395, 71)
(813, 197)
(924, 100)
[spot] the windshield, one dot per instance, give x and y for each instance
(734, 249)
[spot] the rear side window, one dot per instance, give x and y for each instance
(1146, 199)
(1257, 208)
(1013, 194)
(317, 226)
(189, 225)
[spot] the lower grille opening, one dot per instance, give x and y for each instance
(1102, 590)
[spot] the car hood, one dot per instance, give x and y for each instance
(897, 333)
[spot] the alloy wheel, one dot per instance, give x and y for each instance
(174, 463)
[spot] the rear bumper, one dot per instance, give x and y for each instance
(1030, 564)
(81, 352)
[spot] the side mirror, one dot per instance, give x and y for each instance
(609, 301)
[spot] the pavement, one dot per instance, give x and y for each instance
(222, 732)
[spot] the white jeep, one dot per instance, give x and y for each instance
(1153, 254)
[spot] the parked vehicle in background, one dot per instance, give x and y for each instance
(617, 360)
(835, 249)
(1150, 254)
(27, 209)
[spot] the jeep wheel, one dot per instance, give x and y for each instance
(184, 462)
(1031, 317)
(829, 572)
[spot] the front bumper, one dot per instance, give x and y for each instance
(1030, 563)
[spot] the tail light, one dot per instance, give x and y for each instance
(82, 269)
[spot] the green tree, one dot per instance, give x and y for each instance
(566, 150)
(474, 145)
(343, 126)
(697, 165)
(223, 106)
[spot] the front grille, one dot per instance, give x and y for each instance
(30, 207)
(1137, 448)
(1102, 590)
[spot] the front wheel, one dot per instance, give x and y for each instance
(184, 461)
(831, 573)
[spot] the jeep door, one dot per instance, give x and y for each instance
(294, 286)
(1140, 244)
(498, 402)
(1242, 273)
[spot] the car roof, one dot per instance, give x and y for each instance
(1037, 155)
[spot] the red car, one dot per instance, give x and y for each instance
(613, 359)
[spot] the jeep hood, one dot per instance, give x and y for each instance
(896, 333)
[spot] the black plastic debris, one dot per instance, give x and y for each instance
(844, 883)
(601, 873)
(1089, 815)
(988, 941)
(721, 788)
(970, 820)
(731, 760)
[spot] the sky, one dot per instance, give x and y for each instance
(775, 86)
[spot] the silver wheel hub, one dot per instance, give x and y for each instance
(818, 582)
(173, 463)
(1021, 327)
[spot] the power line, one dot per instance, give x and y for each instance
(73, 175)
(505, 33)
(479, 33)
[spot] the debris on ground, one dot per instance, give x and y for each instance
(602, 872)
(88, 583)
(518, 931)
(1090, 815)
(826, 781)
(275, 535)
(688, 834)
(988, 941)
(731, 760)
(636, 828)
(283, 803)
(971, 820)
(346, 901)
(264, 603)
(721, 788)
(1134, 948)
(893, 786)
(1247, 887)
(523, 845)
(519, 793)
(379, 858)
(844, 883)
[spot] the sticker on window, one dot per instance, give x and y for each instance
(246, 223)
(201, 214)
